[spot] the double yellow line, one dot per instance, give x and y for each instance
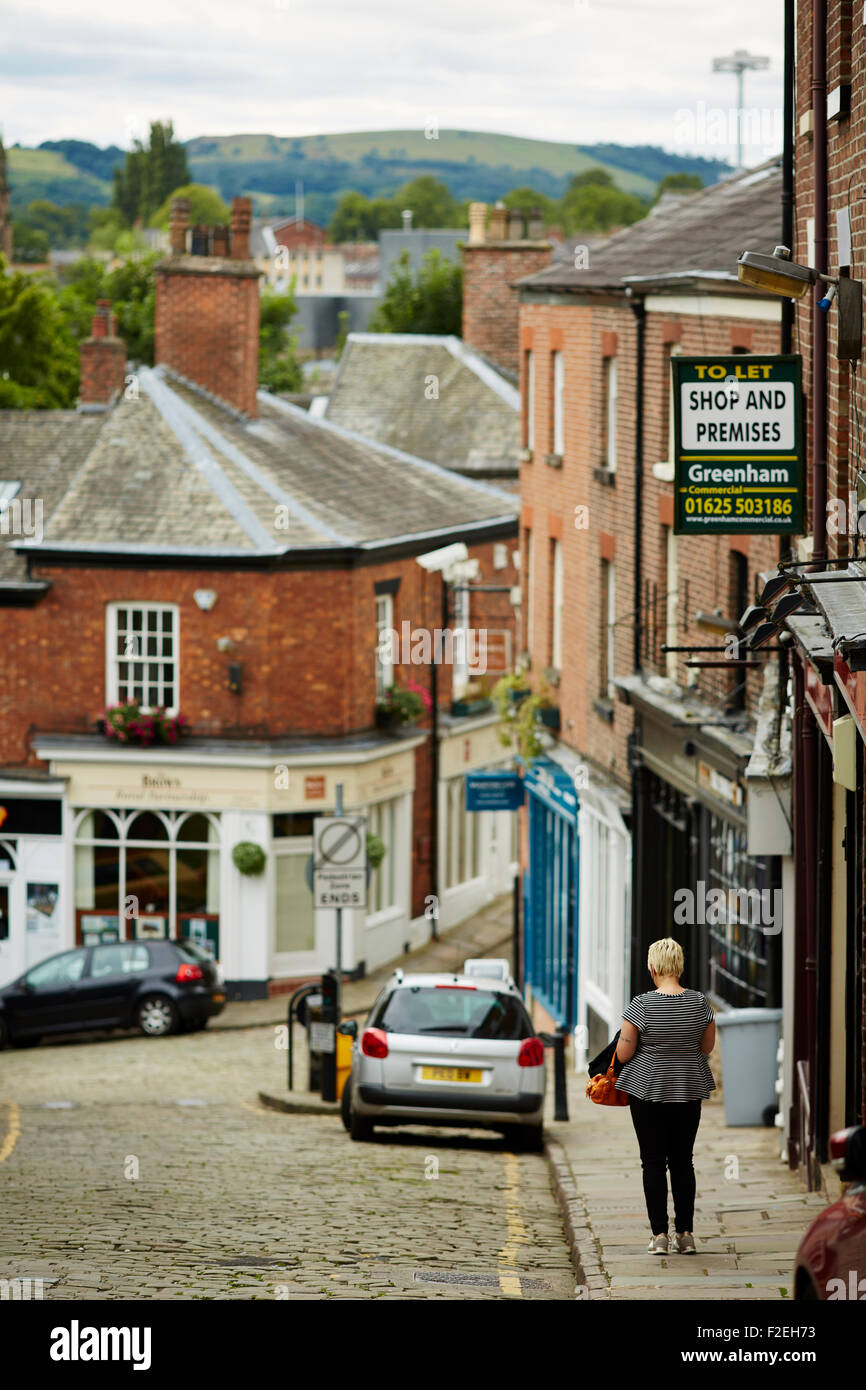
(13, 1129)
(509, 1282)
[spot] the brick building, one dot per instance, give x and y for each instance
(203, 547)
(643, 793)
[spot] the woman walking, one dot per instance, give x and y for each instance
(666, 1037)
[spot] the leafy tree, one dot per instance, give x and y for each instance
(279, 369)
(38, 360)
(29, 244)
(131, 288)
(598, 208)
(149, 173)
(104, 226)
(430, 200)
(357, 218)
(432, 303)
(526, 200)
(679, 183)
(206, 208)
(64, 226)
(596, 177)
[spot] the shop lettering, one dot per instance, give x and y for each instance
(755, 371)
(161, 783)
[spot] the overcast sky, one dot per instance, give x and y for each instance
(581, 71)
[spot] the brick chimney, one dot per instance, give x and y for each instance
(494, 259)
(103, 361)
(207, 307)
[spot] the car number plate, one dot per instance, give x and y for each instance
(450, 1074)
(219, 998)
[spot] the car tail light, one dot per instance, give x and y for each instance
(531, 1053)
(374, 1043)
(187, 973)
(455, 986)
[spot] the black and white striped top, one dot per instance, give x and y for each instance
(669, 1064)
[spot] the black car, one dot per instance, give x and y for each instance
(158, 986)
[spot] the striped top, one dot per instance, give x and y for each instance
(669, 1064)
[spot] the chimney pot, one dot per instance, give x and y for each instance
(406, 215)
(242, 216)
(497, 223)
(515, 225)
(178, 224)
(536, 225)
(477, 223)
(103, 359)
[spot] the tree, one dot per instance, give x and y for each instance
(206, 207)
(279, 369)
(679, 183)
(149, 173)
(131, 289)
(30, 245)
(432, 303)
(357, 218)
(598, 208)
(430, 201)
(596, 177)
(526, 200)
(38, 359)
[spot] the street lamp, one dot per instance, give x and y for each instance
(739, 62)
(778, 274)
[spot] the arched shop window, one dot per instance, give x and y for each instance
(141, 874)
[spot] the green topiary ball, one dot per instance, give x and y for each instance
(248, 858)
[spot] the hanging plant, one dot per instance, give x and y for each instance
(375, 850)
(126, 723)
(249, 858)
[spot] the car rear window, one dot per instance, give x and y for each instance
(192, 953)
(453, 1012)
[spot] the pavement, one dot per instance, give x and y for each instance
(750, 1214)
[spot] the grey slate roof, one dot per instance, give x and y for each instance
(42, 450)
(381, 392)
(173, 473)
(697, 237)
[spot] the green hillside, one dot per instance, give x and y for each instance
(474, 165)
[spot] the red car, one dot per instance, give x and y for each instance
(831, 1260)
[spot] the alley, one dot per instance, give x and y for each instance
(146, 1169)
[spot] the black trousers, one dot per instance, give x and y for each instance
(666, 1133)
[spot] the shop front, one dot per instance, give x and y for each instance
(478, 850)
(33, 886)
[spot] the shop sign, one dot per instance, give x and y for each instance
(722, 787)
(738, 445)
(494, 791)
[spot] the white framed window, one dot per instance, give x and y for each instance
(529, 591)
(558, 404)
(383, 892)
(143, 655)
(384, 652)
(609, 408)
(530, 400)
(462, 840)
(557, 606)
(608, 630)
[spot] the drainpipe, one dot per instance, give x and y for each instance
(637, 308)
(788, 180)
(819, 318)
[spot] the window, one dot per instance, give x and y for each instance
(527, 594)
(58, 971)
(384, 649)
(119, 960)
(558, 404)
(143, 653)
(609, 389)
(382, 821)
(462, 847)
(608, 620)
(453, 1012)
(556, 604)
(530, 400)
(671, 602)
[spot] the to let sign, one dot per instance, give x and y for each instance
(738, 445)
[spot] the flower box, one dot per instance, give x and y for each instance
(549, 716)
(461, 709)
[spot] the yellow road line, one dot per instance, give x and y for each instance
(517, 1234)
(13, 1130)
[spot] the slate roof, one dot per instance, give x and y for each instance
(173, 473)
(43, 450)
(382, 388)
(692, 238)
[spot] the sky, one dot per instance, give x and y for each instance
(579, 71)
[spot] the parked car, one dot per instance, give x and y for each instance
(831, 1260)
(448, 1050)
(158, 986)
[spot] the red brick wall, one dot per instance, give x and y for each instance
(550, 497)
(491, 307)
(296, 237)
(207, 326)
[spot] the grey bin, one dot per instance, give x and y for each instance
(749, 1039)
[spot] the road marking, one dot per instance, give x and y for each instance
(13, 1130)
(517, 1235)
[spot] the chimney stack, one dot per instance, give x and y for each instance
(207, 308)
(103, 361)
(406, 215)
(493, 262)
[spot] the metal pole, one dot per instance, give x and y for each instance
(560, 1092)
(338, 968)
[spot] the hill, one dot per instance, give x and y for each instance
(474, 164)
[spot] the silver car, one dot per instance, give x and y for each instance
(448, 1050)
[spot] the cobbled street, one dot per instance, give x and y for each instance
(135, 1168)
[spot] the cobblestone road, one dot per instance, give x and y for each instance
(135, 1168)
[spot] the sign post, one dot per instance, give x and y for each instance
(339, 870)
(738, 445)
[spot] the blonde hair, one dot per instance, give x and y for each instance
(665, 957)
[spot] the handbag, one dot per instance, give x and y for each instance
(599, 1065)
(602, 1089)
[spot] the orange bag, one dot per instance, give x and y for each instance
(602, 1089)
